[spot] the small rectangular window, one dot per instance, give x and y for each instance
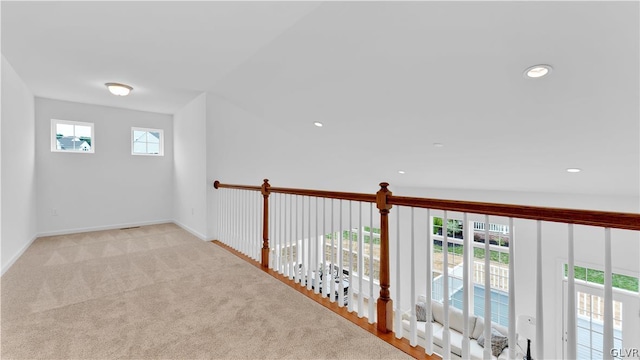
(72, 136)
(147, 141)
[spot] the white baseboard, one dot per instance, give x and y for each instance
(6, 266)
(103, 227)
(15, 257)
(190, 230)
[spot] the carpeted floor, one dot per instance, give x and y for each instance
(157, 292)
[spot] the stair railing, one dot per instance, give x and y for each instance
(302, 265)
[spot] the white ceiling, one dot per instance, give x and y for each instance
(391, 77)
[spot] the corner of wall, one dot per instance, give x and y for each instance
(190, 209)
(17, 255)
(19, 226)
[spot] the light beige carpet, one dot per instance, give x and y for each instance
(157, 292)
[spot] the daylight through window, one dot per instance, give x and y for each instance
(72, 136)
(147, 141)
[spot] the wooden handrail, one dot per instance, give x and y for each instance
(615, 220)
(305, 192)
(218, 185)
(327, 194)
(605, 219)
(384, 201)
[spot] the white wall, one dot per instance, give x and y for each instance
(190, 167)
(18, 167)
(110, 188)
(243, 148)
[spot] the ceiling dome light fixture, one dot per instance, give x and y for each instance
(537, 71)
(574, 170)
(118, 89)
(400, 171)
(318, 124)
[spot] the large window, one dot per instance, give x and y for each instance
(72, 136)
(147, 142)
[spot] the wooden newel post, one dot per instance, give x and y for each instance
(385, 304)
(265, 223)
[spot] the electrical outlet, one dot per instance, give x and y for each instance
(54, 212)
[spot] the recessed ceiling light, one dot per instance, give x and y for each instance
(400, 171)
(537, 71)
(119, 89)
(438, 145)
(574, 170)
(318, 124)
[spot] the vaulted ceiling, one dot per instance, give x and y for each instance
(388, 79)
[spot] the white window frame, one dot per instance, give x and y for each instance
(54, 138)
(160, 131)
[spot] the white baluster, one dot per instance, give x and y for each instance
(398, 301)
(216, 233)
(239, 228)
(240, 225)
(257, 225)
(282, 232)
(414, 320)
(252, 227)
(350, 291)
(248, 239)
(360, 263)
(301, 250)
(539, 305)
(371, 297)
(571, 301)
(272, 228)
(332, 282)
(512, 291)
(257, 229)
(310, 264)
(290, 247)
(296, 259)
(294, 239)
(316, 285)
(234, 216)
(608, 297)
(281, 236)
(466, 283)
(325, 273)
(429, 325)
(244, 223)
(236, 220)
(340, 262)
(251, 239)
(230, 216)
(446, 339)
(250, 222)
(221, 213)
(487, 291)
(301, 256)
